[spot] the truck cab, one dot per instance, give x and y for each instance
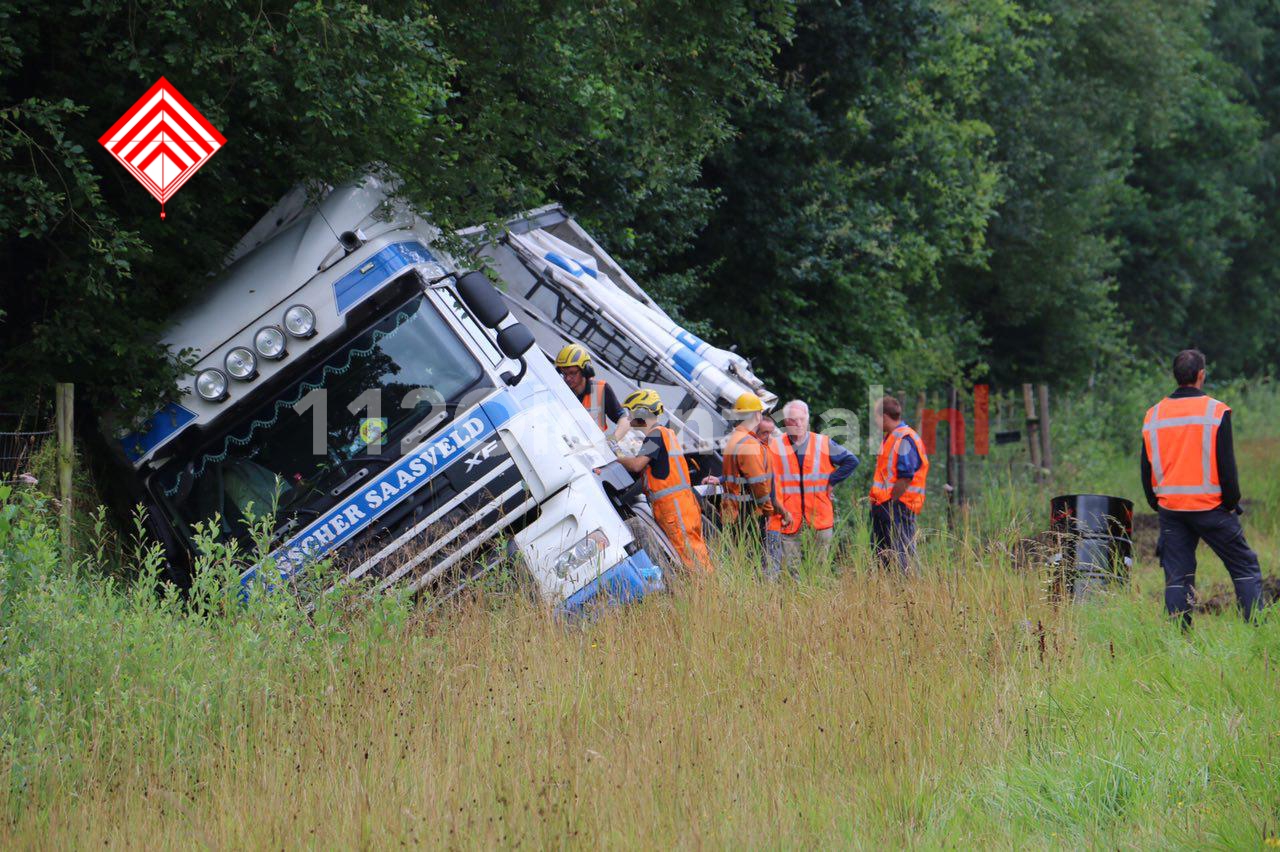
(386, 410)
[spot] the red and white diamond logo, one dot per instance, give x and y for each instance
(163, 140)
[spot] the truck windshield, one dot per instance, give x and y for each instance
(341, 422)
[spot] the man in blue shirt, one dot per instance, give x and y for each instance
(897, 489)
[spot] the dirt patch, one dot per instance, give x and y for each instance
(1146, 529)
(1221, 597)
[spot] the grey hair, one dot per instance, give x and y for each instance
(796, 403)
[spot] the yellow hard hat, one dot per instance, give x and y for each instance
(573, 355)
(746, 404)
(644, 402)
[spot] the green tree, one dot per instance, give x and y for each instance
(1193, 201)
(1245, 309)
(299, 91)
(610, 108)
(1126, 159)
(846, 196)
(483, 110)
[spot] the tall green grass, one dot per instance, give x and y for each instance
(93, 670)
(844, 707)
(1147, 739)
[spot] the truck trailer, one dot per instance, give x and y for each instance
(566, 288)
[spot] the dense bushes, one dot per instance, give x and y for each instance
(900, 193)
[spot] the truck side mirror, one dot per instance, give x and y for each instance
(482, 299)
(514, 341)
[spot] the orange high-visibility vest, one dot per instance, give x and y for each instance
(740, 486)
(1181, 436)
(887, 470)
(675, 505)
(593, 402)
(806, 495)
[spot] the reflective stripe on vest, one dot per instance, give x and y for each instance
(737, 488)
(886, 475)
(804, 494)
(677, 479)
(594, 401)
(674, 490)
(1181, 436)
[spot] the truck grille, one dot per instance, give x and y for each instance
(438, 533)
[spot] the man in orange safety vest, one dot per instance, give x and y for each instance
(749, 498)
(574, 365)
(662, 464)
(806, 466)
(1189, 476)
(898, 488)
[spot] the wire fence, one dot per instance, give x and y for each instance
(18, 442)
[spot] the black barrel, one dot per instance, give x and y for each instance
(1096, 535)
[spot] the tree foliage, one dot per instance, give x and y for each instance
(846, 197)
(482, 109)
(902, 192)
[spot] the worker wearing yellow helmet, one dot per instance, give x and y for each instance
(574, 364)
(750, 499)
(666, 479)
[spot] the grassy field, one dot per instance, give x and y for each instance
(845, 708)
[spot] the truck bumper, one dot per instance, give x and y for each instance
(628, 581)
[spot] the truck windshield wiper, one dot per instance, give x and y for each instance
(304, 501)
(367, 464)
(307, 505)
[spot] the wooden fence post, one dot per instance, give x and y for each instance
(1046, 449)
(64, 406)
(955, 427)
(1033, 426)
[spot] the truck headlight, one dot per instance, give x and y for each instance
(583, 551)
(241, 364)
(300, 321)
(211, 384)
(269, 341)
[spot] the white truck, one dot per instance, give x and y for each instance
(565, 288)
(387, 410)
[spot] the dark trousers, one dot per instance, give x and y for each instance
(1180, 532)
(893, 535)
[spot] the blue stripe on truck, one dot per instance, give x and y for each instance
(568, 264)
(697, 344)
(375, 271)
(686, 361)
(395, 484)
(162, 426)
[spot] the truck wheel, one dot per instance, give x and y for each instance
(645, 530)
